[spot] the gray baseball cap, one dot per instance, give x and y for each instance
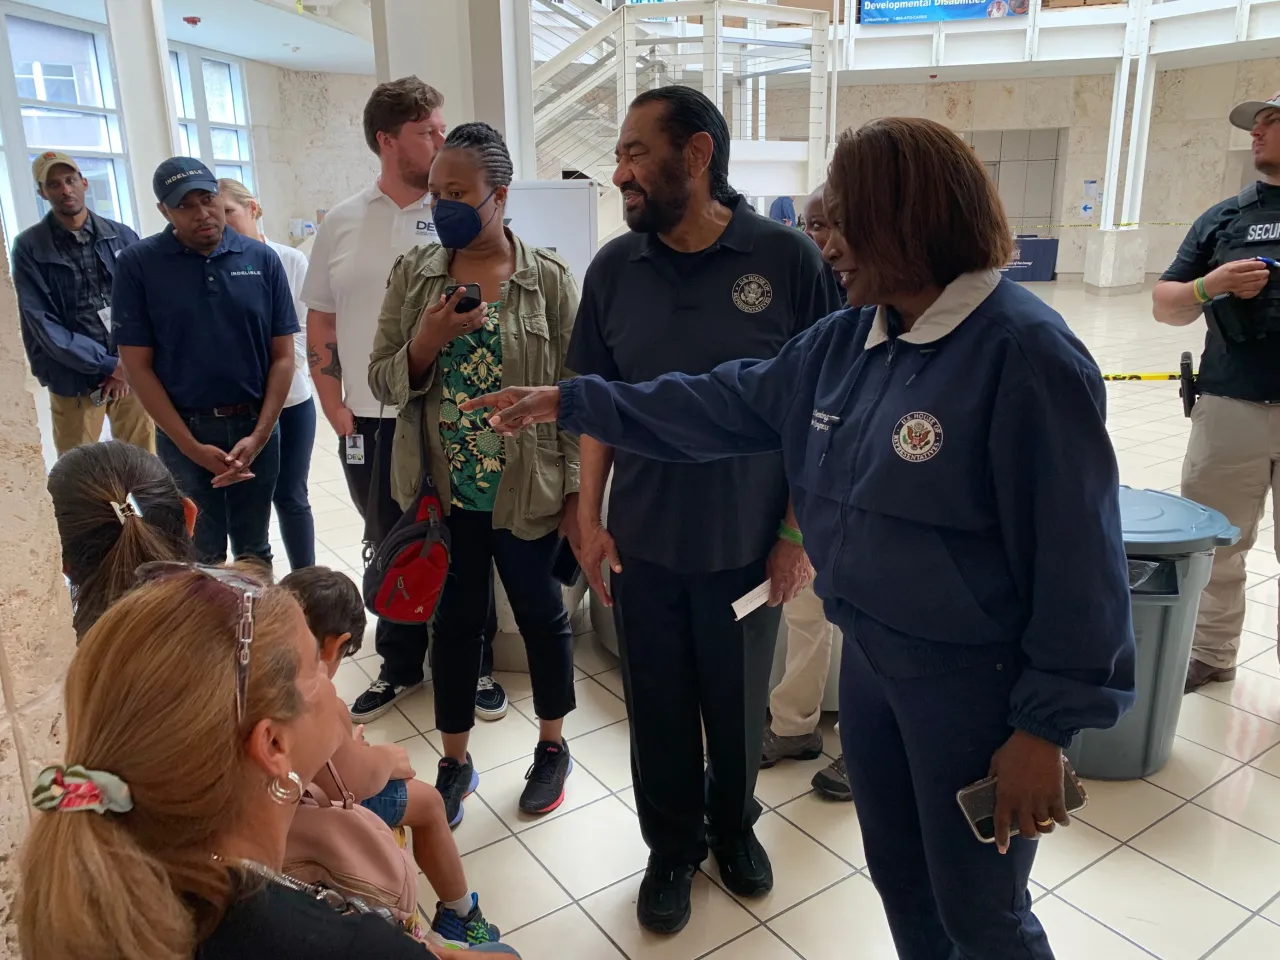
(1244, 115)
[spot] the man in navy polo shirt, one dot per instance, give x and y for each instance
(205, 321)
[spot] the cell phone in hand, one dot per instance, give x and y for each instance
(97, 398)
(978, 802)
(564, 567)
(470, 296)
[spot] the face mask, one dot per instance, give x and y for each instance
(458, 223)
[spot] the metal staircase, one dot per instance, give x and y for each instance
(591, 61)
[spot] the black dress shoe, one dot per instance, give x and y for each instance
(744, 866)
(663, 905)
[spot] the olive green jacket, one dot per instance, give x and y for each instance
(539, 304)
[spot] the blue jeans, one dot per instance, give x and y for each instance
(390, 803)
(293, 510)
(241, 511)
(910, 742)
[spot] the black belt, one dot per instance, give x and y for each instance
(231, 410)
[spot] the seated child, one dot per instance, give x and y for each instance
(380, 776)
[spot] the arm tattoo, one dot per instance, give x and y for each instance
(313, 358)
(334, 369)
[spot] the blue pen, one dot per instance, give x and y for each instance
(1268, 261)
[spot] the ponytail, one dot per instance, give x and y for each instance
(110, 897)
(117, 507)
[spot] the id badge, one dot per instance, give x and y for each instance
(355, 449)
(105, 316)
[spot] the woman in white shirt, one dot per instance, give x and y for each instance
(298, 418)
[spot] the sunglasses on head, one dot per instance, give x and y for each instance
(246, 589)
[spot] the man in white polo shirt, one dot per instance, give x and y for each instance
(355, 248)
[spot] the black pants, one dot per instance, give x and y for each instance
(536, 601)
(910, 743)
(293, 508)
(241, 511)
(686, 663)
(403, 648)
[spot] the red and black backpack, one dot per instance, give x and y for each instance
(404, 574)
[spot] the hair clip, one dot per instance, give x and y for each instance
(127, 509)
(75, 788)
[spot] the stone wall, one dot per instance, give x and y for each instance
(308, 141)
(1194, 158)
(36, 639)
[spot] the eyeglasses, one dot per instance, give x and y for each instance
(246, 589)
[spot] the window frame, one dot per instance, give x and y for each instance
(21, 207)
(190, 65)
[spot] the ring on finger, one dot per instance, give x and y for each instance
(1042, 824)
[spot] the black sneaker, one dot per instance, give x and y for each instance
(663, 904)
(544, 787)
(378, 699)
(832, 781)
(491, 700)
(456, 781)
(744, 866)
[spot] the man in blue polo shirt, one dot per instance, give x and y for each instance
(205, 321)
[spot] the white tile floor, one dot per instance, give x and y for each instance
(1183, 865)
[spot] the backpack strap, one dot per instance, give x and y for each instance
(1248, 198)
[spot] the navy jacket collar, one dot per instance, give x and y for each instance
(43, 248)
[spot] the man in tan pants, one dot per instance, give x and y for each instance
(63, 269)
(1227, 270)
(796, 702)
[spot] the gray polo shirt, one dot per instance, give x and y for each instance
(647, 310)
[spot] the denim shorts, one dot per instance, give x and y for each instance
(390, 803)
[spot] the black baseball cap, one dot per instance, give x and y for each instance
(178, 176)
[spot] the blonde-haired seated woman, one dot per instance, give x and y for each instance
(196, 708)
(298, 418)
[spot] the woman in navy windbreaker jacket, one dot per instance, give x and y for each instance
(951, 469)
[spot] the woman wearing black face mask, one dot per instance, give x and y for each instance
(508, 501)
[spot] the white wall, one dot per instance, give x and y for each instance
(308, 141)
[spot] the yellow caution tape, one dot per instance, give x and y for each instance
(1141, 376)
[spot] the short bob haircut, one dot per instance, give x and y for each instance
(916, 207)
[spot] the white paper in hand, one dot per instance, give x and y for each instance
(751, 601)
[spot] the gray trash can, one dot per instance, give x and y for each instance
(1170, 543)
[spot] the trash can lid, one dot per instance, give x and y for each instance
(1156, 523)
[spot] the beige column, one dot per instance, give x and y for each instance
(36, 640)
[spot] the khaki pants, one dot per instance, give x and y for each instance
(76, 421)
(796, 702)
(1231, 465)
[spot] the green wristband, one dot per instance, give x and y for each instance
(787, 532)
(1202, 295)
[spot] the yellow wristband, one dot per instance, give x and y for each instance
(1202, 295)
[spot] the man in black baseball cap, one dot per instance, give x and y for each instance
(204, 321)
(177, 177)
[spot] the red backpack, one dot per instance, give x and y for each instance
(405, 575)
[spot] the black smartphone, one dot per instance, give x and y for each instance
(564, 567)
(470, 296)
(978, 802)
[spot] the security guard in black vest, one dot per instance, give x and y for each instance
(1226, 271)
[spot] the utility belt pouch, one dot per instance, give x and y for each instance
(1226, 318)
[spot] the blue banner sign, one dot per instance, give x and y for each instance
(929, 11)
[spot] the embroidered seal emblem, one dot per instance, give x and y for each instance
(752, 293)
(918, 437)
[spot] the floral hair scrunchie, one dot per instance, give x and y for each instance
(75, 788)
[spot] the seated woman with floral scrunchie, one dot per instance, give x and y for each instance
(196, 708)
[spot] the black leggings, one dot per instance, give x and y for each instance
(536, 600)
